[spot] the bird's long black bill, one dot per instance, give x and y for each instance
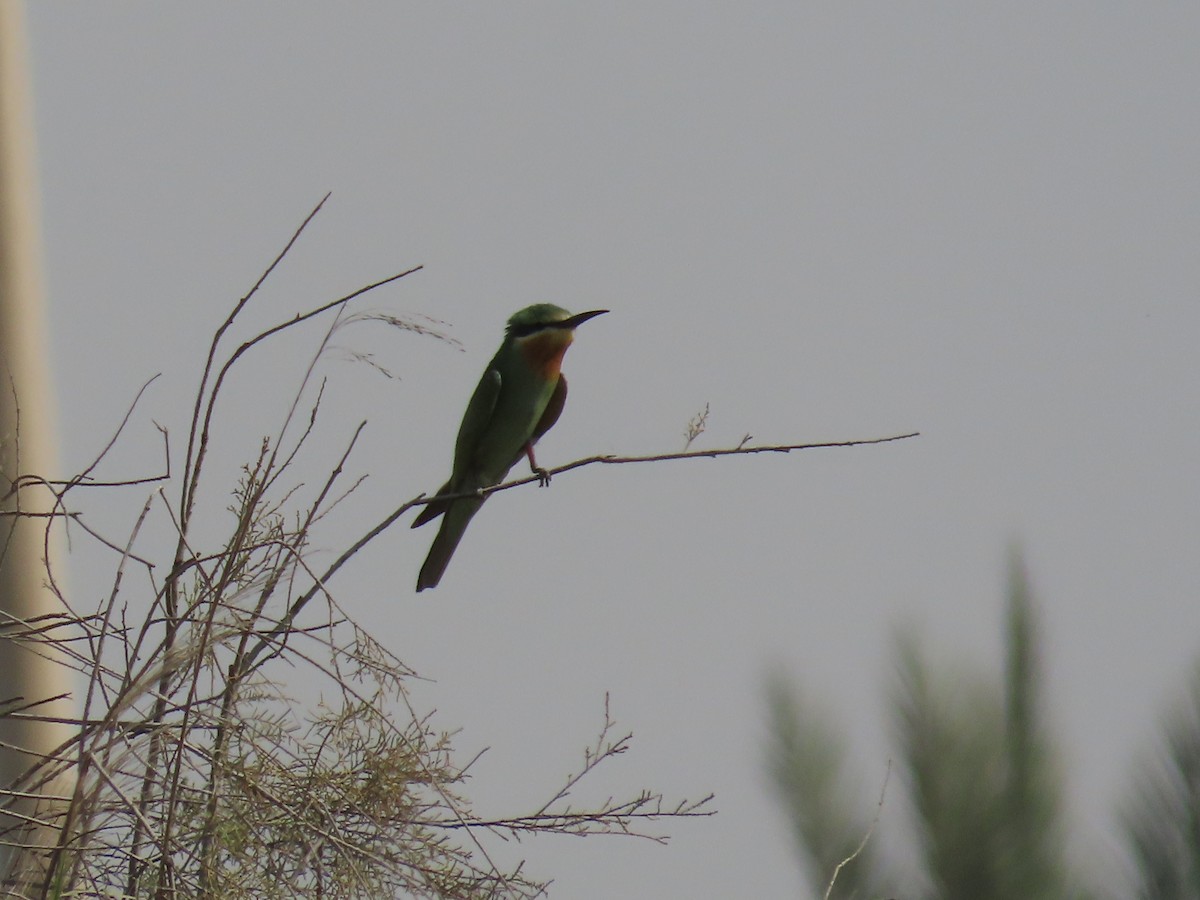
(579, 318)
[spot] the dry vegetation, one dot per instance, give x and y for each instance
(190, 770)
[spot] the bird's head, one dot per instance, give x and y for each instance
(546, 317)
(543, 332)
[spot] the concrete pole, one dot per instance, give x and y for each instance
(24, 450)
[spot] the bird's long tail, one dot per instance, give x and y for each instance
(454, 523)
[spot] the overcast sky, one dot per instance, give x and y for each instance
(827, 221)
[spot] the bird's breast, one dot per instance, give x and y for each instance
(544, 351)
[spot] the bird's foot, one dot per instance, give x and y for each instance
(543, 476)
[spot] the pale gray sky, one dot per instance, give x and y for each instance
(827, 221)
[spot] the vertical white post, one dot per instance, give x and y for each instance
(26, 448)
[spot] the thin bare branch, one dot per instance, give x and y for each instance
(193, 432)
(866, 836)
(612, 460)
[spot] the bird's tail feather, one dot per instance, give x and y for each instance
(458, 515)
(431, 511)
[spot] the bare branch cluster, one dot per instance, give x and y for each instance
(195, 771)
(695, 427)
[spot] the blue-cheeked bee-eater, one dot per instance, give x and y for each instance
(519, 398)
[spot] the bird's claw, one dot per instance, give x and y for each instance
(543, 476)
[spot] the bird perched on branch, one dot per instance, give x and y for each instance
(519, 398)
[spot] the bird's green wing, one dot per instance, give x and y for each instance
(553, 410)
(475, 422)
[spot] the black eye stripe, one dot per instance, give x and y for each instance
(526, 330)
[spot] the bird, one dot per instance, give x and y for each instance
(518, 399)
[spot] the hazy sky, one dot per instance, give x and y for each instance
(827, 221)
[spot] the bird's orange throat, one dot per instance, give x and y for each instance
(544, 350)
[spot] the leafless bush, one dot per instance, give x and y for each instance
(194, 772)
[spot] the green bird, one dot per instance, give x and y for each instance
(519, 398)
